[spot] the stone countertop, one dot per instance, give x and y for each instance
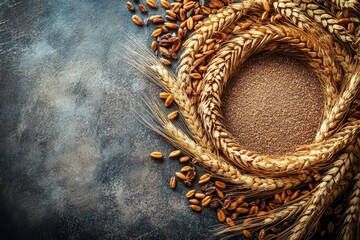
(74, 158)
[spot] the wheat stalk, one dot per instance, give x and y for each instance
(216, 164)
(146, 63)
(350, 228)
(282, 214)
(215, 22)
(188, 110)
(320, 200)
(338, 112)
(324, 18)
(293, 11)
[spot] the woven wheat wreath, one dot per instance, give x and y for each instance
(298, 28)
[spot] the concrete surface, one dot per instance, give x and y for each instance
(74, 159)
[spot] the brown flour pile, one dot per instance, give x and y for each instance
(273, 104)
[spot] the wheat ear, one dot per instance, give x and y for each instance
(338, 112)
(320, 200)
(293, 11)
(284, 213)
(350, 227)
(341, 4)
(217, 165)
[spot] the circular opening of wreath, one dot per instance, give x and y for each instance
(273, 104)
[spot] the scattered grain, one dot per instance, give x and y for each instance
(230, 222)
(165, 4)
(130, 6)
(176, 46)
(220, 193)
(233, 206)
(171, 25)
(289, 192)
(277, 198)
(185, 169)
(156, 33)
(157, 155)
(154, 46)
(195, 208)
(137, 20)
(172, 182)
(194, 201)
(174, 153)
(247, 233)
(184, 159)
(151, 3)
(164, 95)
(200, 195)
(247, 221)
(180, 175)
(252, 210)
(153, 17)
(190, 23)
(330, 227)
(262, 234)
(295, 195)
(206, 201)
(242, 210)
(169, 100)
(221, 215)
(287, 199)
(143, 9)
(190, 193)
(173, 115)
(190, 175)
(205, 178)
(220, 184)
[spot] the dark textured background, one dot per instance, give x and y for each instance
(73, 158)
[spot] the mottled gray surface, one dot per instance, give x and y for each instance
(74, 159)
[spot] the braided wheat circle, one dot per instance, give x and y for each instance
(335, 66)
(228, 59)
